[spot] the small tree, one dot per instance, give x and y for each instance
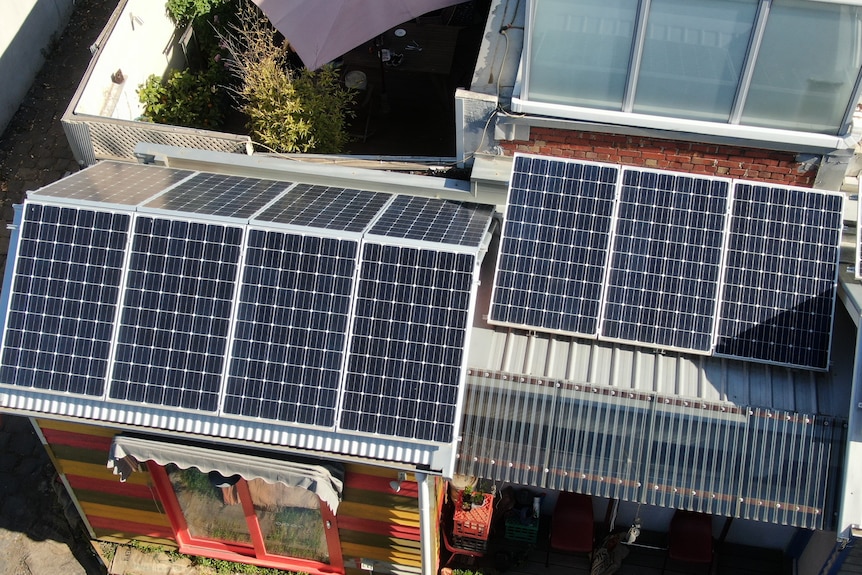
(288, 110)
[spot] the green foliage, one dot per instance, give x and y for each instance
(107, 550)
(184, 99)
(288, 110)
(182, 12)
(222, 567)
(299, 111)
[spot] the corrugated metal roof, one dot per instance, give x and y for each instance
(767, 464)
(722, 436)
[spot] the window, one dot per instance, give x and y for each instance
(806, 68)
(693, 56)
(790, 65)
(252, 521)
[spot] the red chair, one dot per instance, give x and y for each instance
(571, 525)
(457, 551)
(690, 538)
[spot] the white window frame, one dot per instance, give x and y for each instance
(733, 130)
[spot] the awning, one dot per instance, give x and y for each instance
(326, 480)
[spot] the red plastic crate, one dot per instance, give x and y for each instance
(474, 523)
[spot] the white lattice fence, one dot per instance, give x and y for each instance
(111, 139)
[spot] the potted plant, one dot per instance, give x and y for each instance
(467, 498)
(478, 498)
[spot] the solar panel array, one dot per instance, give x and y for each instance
(246, 298)
(673, 261)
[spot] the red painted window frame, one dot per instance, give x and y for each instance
(255, 553)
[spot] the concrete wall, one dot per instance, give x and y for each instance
(27, 30)
(142, 42)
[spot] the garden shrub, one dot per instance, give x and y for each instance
(183, 12)
(288, 110)
(184, 99)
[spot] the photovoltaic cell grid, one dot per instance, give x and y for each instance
(554, 247)
(339, 209)
(407, 345)
(159, 310)
(64, 299)
(291, 331)
(434, 220)
(666, 260)
(114, 183)
(174, 324)
(674, 250)
(219, 195)
(779, 290)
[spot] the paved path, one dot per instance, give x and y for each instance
(35, 536)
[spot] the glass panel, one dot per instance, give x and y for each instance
(290, 520)
(579, 52)
(807, 67)
(693, 56)
(211, 512)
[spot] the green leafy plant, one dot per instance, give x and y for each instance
(182, 12)
(184, 99)
(288, 110)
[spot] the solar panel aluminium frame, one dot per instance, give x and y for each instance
(12, 272)
(841, 198)
(171, 217)
(717, 315)
(457, 249)
(42, 194)
(594, 334)
(302, 232)
(719, 280)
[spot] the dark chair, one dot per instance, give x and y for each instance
(690, 538)
(571, 525)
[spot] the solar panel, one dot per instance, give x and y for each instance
(554, 246)
(116, 183)
(779, 290)
(434, 220)
(291, 332)
(324, 207)
(64, 298)
(407, 347)
(666, 260)
(219, 195)
(174, 325)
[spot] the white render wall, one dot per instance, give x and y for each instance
(142, 42)
(27, 28)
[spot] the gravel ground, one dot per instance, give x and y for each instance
(36, 537)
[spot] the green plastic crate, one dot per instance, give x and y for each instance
(526, 532)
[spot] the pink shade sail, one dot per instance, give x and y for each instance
(322, 30)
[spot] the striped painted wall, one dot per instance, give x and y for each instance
(376, 525)
(114, 511)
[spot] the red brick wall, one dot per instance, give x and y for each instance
(728, 161)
